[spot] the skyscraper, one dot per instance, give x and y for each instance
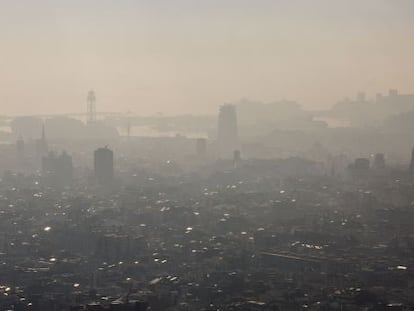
(41, 145)
(227, 135)
(104, 165)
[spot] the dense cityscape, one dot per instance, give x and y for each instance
(263, 206)
(206, 155)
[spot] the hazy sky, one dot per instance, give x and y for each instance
(177, 56)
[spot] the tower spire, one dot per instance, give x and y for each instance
(41, 143)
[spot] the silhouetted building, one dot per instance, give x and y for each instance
(227, 136)
(104, 165)
(361, 164)
(201, 147)
(359, 168)
(395, 102)
(363, 110)
(41, 145)
(379, 161)
(58, 170)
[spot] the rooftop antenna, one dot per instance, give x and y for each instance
(91, 107)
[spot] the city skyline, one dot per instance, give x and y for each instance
(186, 155)
(149, 57)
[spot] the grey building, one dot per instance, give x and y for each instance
(227, 135)
(104, 165)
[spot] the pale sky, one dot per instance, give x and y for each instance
(190, 56)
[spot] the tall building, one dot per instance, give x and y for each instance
(361, 164)
(42, 147)
(227, 135)
(360, 168)
(104, 165)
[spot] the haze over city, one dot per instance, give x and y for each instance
(182, 56)
(206, 155)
